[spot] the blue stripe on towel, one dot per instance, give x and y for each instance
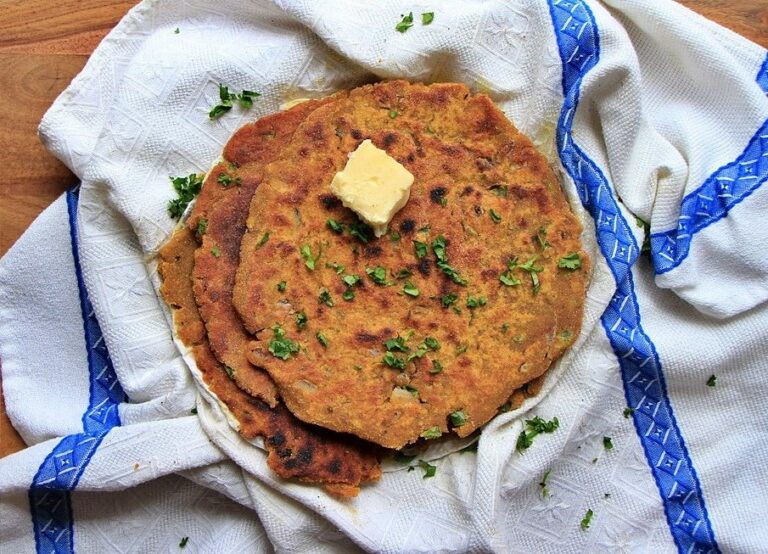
(724, 189)
(641, 371)
(49, 498)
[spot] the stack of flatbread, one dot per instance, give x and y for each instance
(336, 346)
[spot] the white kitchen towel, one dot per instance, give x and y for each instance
(653, 115)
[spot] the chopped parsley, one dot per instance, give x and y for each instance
(281, 286)
(202, 228)
(458, 418)
(335, 226)
(184, 540)
(628, 412)
(427, 18)
(309, 261)
(437, 367)
(431, 433)
(533, 270)
(187, 188)
(571, 261)
(378, 275)
(429, 469)
(403, 274)
(507, 278)
(393, 361)
(607, 443)
(405, 23)
(504, 327)
(325, 298)
(541, 235)
(394, 236)
(410, 289)
(338, 268)
(348, 295)
(500, 190)
(432, 343)
(447, 299)
(396, 344)
(543, 484)
(280, 346)
(420, 248)
(565, 335)
(462, 348)
(712, 381)
(321, 338)
(586, 520)
(494, 216)
(532, 428)
(360, 231)
(263, 240)
(176, 31)
(245, 99)
(476, 301)
(393, 114)
(351, 280)
(438, 247)
(215, 251)
(225, 180)
(229, 371)
(301, 320)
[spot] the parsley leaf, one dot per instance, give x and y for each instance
(360, 231)
(541, 235)
(429, 469)
(378, 275)
(586, 520)
(403, 274)
(394, 236)
(405, 23)
(427, 18)
(325, 298)
(348, 295)
(396, 344)
(225, 180)
(571, 261)
(393, 361)
(393, 114)
(447, 299)
(216, 251)
(431, 433)
(628, 412)
(437, 367)
(494, 216)
(351, 280)
(476, 301)
(184, 540)
(532, 428)
(543, 484)
(187, 188)
(202, 228)
(712, 381)
(500, 190)
(281, 286)
(533, 270)
(335, 226)
(338, 268)
(280, 346)
(410, 289)
(245, 99)
(607, 443)
(420, 248)
(229, 371)
(263, 240)
(432, 343)
(322, 339)
(301, 320)
(309, 261)
(458, 418)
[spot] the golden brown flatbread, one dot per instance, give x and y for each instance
(476, 290)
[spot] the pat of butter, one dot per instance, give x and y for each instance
(373, 185)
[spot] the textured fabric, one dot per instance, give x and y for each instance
(649, 112)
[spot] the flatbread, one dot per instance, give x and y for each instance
(482, 197)
(295, 450)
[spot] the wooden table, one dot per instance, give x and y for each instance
(44, 45)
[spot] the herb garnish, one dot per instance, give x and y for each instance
(202, 228)
(215, 251)
(410, 289)
(507, 278)
(335, 226)
(438, 247)
(586, 520)
(393, 361)
(405, 23)
(494, 216)
(281, 286)
(571, 261)
(229, 371)
(500, 190)
(393, 114)
(427, 18)
(309, 261)
(532, 428)
(225, 180)
(447, 299)
(607, 443)
(378, 275)
(461, 348)
(431, 433)
(541, 235)
(338, 268)
(432, 343)
(628, 412)
(245, 99)
(360, 231)
(437, 367)
(280, 346)
(396, 344)
(263, 240)
(301, 320)
(475, 301)
(533, 270)
(420, 248)
(321, 339)
(543, 484)
(325, 298)
(504, 327)
(712, 381)
(402, 274)
(429, 469)
(458, 418)
(394, 236)
(186, 188)
(184, 540)
(351, 280)
(176, 31)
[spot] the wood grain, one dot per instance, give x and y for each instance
(44, 44)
